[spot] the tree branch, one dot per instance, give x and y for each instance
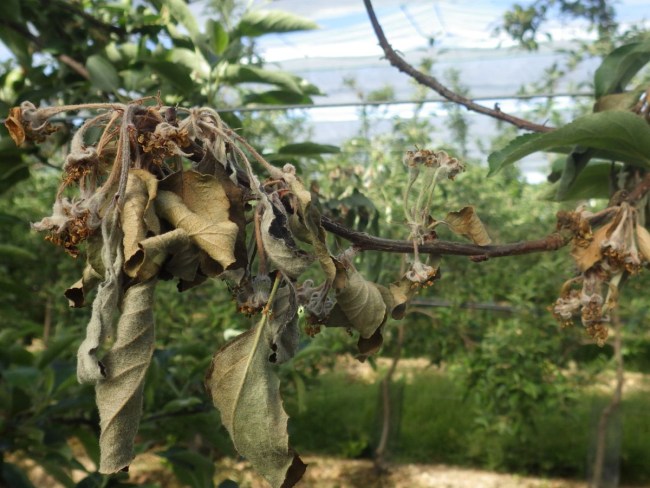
(434, 84)
(365, 242)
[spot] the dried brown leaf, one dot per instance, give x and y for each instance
(77, 293)
(643, 239)
(119, 396)
(217, 238)
(586, 257)
(245, 388)
(138, 217)
(14, 125)
(155, 251)
(466, 223)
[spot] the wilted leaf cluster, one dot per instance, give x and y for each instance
(153, 192)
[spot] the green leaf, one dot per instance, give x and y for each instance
(177, 75)
(14, 476)
(191, 468)
(618, 68)
(308, 148)
(13, 167)
(182, 13)
(103, 74)
(218, 36)
(277, 97)
(260, 22)
(9, 252)
(592, 182)
(623, 136)
(238, 73)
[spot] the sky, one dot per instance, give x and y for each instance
(491, 67)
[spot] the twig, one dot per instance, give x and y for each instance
(639, 190)
(434, 84)
(366, 242)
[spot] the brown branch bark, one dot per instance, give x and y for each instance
(365, 242)
(434, 84)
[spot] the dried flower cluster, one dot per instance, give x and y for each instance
(620, 246)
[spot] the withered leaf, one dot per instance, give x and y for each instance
(368, 347)
(643, 239)
(586, 257)
(246, 390)
(362, 303)
(282, 332)
(14, 125)
(466, 223)
(154, 251)
(217, 238)
(402, 292)
(77, 293)
(138, 216)
(119, 396)
(310, 215)
(279, 243)
(214, 198)
(89, 368)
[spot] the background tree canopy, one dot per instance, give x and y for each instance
(507, 373)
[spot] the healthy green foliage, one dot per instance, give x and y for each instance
(620, 135)
(619, 67)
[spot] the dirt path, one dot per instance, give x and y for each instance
(340, 473)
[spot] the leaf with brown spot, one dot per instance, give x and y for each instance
(77, 293)
(368, 347)
(643, 239)
(119, 396)
(362, 303)
(279, 243)
(310, 216)
(14, 124)
(217, 238)
(245, 389)
(466, 223)
(282, 332)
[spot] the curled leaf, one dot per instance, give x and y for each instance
(153, 252)
(246, 390)
(14, 125)
(361, 302)
(137, 216)
(77, 293)
(214, 198)
(310, 216)
(216, 238)
(282, 332)
(119, 396)
(643, 239)
(466, 223)
(279, 243)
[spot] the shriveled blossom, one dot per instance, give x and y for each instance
(165, 141)
(448, 166)
(566, 307)
(421, 274)
(253, 295)
(71, 223)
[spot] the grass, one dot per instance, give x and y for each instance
(435, 425)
